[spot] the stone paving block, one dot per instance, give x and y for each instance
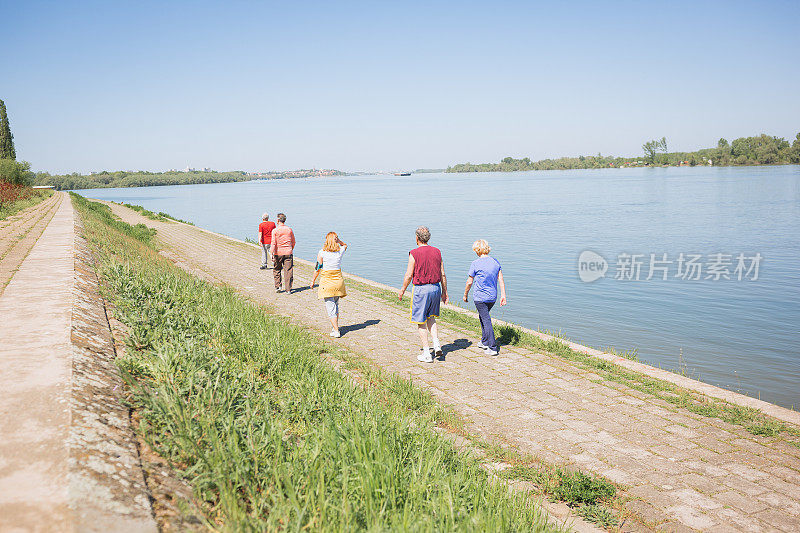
(739, 501)
(778, 485)
(779, 520)
(746, 472)
(707, 485)
(714, 444)
(695, 499)
(669, 452)
(787, 474)
(667, 466)
(691, 517)
(706, 469)
(740, 484)
(756, 461)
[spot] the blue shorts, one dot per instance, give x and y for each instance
(425, 302)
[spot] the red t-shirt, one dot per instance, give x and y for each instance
(265, 229)
(427, 265)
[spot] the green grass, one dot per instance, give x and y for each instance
(103, 213)
(753, 420)
(270, 436)
(592, 497)
(160, 216)
(10, 209)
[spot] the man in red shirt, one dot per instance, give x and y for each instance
(426, 270)
(265, 238)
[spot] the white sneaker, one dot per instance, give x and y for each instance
(489, 351)
(437, 350)
(335, 333)
(425, 357)
(481, 345)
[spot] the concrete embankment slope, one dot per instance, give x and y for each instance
(67, 457)
(682, 470)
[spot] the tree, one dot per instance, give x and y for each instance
(6, 139)
(651, 148)
(794, 153)
(722, 143)
(15, 173)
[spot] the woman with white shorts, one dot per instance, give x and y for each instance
(331, 283)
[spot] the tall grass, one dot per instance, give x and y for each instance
(103, 213)
(270, 436)
(160, 216)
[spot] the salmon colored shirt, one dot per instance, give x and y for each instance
(282, 241)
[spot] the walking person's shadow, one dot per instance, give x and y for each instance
(355, 327)
(299, 289)
(458, 344)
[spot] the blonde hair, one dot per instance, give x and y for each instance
(331, 242)
(481, 247)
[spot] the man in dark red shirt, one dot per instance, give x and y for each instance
(426, 270)
(265, 238)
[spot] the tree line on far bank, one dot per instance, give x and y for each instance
(97, 180)
(759, 150)
(140, 178)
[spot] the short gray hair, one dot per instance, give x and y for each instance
(281, 218)
(265, 216)
(423, 234)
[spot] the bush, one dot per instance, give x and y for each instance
(16, 172)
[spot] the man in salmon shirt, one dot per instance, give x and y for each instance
(282, 247)
(265, 238)
(426, 270)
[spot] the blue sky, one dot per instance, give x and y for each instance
(374, 85)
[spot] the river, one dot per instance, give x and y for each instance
(737, 222)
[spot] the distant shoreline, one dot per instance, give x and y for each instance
(745, 151)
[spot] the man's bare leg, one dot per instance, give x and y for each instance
(423, 337)
(437, 347)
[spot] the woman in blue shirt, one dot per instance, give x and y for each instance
(486, 274)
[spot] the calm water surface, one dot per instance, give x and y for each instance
(741, 335)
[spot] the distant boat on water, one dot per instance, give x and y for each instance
(402, 173)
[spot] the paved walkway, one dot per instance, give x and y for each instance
(35, 371)
(688, 472)
(68, 459)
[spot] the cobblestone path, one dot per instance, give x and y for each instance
(685, 471)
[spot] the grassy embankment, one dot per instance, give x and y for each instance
(249, 410)
(14, 198)
(751, 419)
(160, 216)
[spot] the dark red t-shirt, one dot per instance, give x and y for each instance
(427, 265)
(265, 228)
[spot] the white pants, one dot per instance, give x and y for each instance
(265, 254)
(332, 306)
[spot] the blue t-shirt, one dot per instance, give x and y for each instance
(485, 271)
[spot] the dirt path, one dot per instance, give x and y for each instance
(18, 234)
(685, 471)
